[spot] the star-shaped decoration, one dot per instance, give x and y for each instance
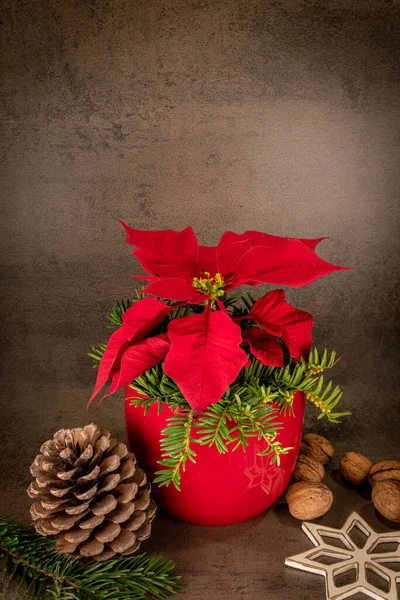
(379, 557)
(264, 475)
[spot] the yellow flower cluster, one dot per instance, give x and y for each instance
(314, 370)
(318, 402)
(210, 285)
(289, 397)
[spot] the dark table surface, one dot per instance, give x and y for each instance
(244, 561)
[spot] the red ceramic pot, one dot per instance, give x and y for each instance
(219, 489)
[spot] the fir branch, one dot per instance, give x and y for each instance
(213, 427)
(97, 354)
(326, 400)
(44, 573)
(299, 376)
(250, 413)
(249, 408)
(157, 387)
(115, 315)
(317, 365)
(243, 413)
(255, 416)
(176, 450)
(255, 372)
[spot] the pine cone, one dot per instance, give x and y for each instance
(90, 494)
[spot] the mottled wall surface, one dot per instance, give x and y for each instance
(281, 116)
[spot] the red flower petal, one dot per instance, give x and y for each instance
(159, 266)
(145, 258)
(138, 320)
(297, 330)
(266, 312)
(174, 248)
(280, 319)
(175, 289)
(145, 314)
(230, 254)
(137, 359)
(292, 263)
(258, 238)
(224, 309)
(268, 351)
(205, 356)
(207, 260)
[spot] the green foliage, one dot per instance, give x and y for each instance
(306, 377)
(157, 387)
(243, 413)
(46, 574)
(231, 302)
(214, 428)
(317, 364)
(250, 408)
(115, 315)
(115, 320)
(97, 353)
(175, 448)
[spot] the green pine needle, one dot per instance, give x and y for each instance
(176, 449)
(46, 574)
(115, 315)
(97, 353)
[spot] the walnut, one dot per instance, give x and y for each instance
(317, 447)
(355, 468)
(385, 469)
(308, 500)
(386, 499)
(308, 469)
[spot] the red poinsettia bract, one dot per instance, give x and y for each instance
(278, 319)
(205, 356)
(138, 321)
(174, 260)
(204, 352)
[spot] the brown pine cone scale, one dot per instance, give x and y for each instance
(90, 494)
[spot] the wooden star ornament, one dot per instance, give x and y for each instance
(335, 554)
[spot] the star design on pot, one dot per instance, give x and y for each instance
(262, 474)
(372, 561)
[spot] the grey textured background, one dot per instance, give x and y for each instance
(281, 116)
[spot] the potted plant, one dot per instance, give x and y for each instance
(216, 381)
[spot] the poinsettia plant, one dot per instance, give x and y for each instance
(189, 340)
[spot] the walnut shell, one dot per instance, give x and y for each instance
(308, 469)
(317, 447)
(308, 500)
(385, 469)
(386, 499)
(355, 468)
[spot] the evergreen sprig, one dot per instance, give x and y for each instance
(96, 354)
(249, 408)
(115, 315)
(176, 448)
(157, 387)
(46, 574)
(243, 413)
